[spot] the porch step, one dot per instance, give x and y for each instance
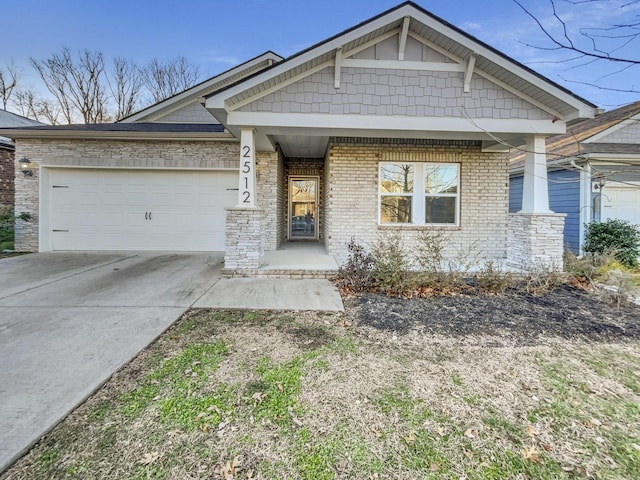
(280, 273)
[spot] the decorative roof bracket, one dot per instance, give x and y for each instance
(471, 63)
(403, 37)
(338, 67)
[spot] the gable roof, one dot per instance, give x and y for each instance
(9, 120)
(561, 148)
(458, 44)
(206, 87)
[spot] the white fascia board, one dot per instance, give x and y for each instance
(191, 94)
(375, 122)
(583, 109)
(218, 100)
(625, 123)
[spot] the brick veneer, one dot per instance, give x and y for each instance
(7, 173)
(351, 196)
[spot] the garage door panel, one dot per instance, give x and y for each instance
(621, 202)
(139, 210)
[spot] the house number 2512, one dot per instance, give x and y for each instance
(246, 170)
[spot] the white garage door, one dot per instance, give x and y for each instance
(621, 202)
(139, 210)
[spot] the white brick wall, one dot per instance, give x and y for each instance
(267, 174)
(105, 153)
(351, 208)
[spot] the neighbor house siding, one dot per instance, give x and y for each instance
(352, 196)
(109, 154)
(412, 93)
(628, 134)
(564, 197)
(515, 194)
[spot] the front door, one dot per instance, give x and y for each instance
(303, 208)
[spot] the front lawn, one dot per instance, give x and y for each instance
(259, 395)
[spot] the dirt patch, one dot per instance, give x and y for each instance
(516, 317)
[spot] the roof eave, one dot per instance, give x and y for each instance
(19, 134)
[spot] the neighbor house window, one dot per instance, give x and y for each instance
(419, 193)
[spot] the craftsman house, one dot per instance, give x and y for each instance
(398, 124)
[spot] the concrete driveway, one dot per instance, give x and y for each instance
(68, 321)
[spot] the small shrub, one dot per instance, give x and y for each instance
(618, 237)
(7, 224)
(429, 252)
(390, 263)
(543, 279)
(355, 274)
(492, 279)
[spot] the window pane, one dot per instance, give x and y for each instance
(395, 210)
(396, 178)
(440, 179)
(440, 210)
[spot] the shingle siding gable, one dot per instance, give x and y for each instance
(413, 93)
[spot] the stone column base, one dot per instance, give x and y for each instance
(244, 239)
(535, 241)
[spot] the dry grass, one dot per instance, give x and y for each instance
(311, 396)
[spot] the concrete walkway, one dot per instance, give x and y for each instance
(69, 321)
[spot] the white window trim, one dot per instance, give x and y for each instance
(418, 196)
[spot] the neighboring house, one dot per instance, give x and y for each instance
(593, 172)
(7, 156)
(394, 125)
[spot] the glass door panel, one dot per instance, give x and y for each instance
(303, 202)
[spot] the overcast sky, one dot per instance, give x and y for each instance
(218, 34)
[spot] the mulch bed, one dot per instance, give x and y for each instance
(515, 317)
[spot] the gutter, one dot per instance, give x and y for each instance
(107, 135)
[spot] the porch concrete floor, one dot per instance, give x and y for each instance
(299, 256)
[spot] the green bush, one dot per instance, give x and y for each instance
(7, 222)
(615, 236)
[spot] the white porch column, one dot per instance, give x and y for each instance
(244, 224)
(247, 177)
(535, 190)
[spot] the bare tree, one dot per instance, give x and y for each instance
(42, 110)
(163, 80)
(616, 43)
(8, 82)
(126, 85)
(77, 85)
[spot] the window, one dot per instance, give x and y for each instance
(419, 193)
